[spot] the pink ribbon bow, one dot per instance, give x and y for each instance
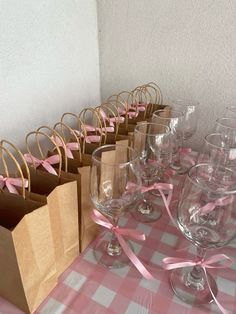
(209, 207)
(111, 120)
(211, 262)
(160, 187)
(103, 221)
(68, 146)
(88, 138)
(46, 163)
(140, 107)
(10, 183)
(131, 114)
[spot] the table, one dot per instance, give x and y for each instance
(87, 287)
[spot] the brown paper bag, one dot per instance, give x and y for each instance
(27, 253)
(62, 194)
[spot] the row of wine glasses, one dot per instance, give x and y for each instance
(206, 213)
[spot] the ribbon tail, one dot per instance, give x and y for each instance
(49, 168)
(69, 153)
(166, 203)
(223, 310)
(11, 188)
(137, 263)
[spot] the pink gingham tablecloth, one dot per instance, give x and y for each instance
(88, 287)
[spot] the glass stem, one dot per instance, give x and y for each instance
(196, 272)
(113, 246)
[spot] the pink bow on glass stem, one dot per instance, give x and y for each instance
(46, 163)
(10, 183)
(215, 261)
(119, 232)
(160, 187)
(209, 207)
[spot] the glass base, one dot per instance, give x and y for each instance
(109, 255)
(180, 169)
(147, 212)
(194, 292)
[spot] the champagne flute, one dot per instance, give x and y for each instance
(114, 168)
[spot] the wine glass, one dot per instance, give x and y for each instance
(227, 128)
(207, 217)
(216, 150)
(114, 168)
(190, 109)
(191, 115)
(174, 120)
(152, 141)
(230, 112)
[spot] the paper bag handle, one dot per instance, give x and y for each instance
(111, 116)
(5, 166)
(101, 126)
(80, 127)
(54, 135)
(52, 141)
(62, 126)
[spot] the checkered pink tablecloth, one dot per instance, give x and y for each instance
(87, 287)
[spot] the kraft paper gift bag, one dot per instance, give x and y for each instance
(62, 194)
(27, 253)
(77, 166)
(78, 163)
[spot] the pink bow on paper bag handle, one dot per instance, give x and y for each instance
(68, 146)
(46, 163)
(214, 261)
(111, 120)
(140, 106)
(103, 221)
(88, 138)
(10, 183)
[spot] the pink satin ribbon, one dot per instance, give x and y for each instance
(140, 107)
(170, 263)
(68, 146)
(185, 151)
(163, 187)
(89, 138)
(90, 128)
(160, 187)
(130, 114)
(111, 120)
(209, 207)
(46, 163)
(119, 232)
(10, 183)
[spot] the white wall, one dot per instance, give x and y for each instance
(48, 62)
(188, 47)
